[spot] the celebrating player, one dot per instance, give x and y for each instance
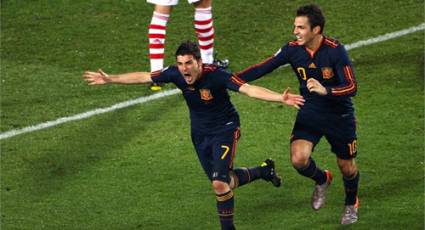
(214, 120)
(327, 83)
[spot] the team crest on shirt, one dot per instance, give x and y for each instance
(327, 73)
(205, 94)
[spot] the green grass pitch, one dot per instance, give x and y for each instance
(136, 168)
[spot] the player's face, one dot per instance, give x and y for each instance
(303, 31)
(189, 67)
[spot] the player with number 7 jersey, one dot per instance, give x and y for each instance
(214, 120)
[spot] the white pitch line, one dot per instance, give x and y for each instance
(166, 93)
(385, 37)
(88, 114)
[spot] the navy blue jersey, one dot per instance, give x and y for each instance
(329, 64)
(211, 111)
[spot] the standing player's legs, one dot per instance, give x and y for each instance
(157, 34)
(204, 28)
(303, 140)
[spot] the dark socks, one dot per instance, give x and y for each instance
(225, 205)
(351, 186)
(313, 172)
(244, 176)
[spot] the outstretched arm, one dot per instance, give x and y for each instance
(261, 69)
(268, 95)
(100, 78)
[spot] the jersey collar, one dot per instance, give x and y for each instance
(313, 52)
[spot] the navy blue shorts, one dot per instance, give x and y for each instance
(216, 153)
(338, 129)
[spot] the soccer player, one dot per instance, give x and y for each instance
(214, 120)
(203, 23)
(327, 82)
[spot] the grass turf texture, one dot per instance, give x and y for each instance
(136, 168)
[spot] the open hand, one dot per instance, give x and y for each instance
(292, 99)
(96, 78)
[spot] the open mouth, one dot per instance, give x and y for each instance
(188, 78)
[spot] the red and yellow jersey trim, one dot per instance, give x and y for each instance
(350, 87)
(293, 43)
(235, 79)
(255, 66)
(331, 42)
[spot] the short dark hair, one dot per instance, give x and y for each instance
(189, 48)
(314, 15)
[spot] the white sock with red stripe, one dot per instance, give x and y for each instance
(157, 31)
(205, 32)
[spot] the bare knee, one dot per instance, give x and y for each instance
(347, 167)
(163, 9)
(203, 4)
(300, 153)
(220, 187)
(298, 160)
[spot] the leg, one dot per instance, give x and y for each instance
(162, 9)
(223, 147)
(350, 175)
(225, 204)
(157, 33)
(300, 153)
(305, 135)
(301, 160)
(266, 171)
(204, 153)
(203, 4)
(204, 28)
(343, 140)
(218, 173)
(351, 178)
